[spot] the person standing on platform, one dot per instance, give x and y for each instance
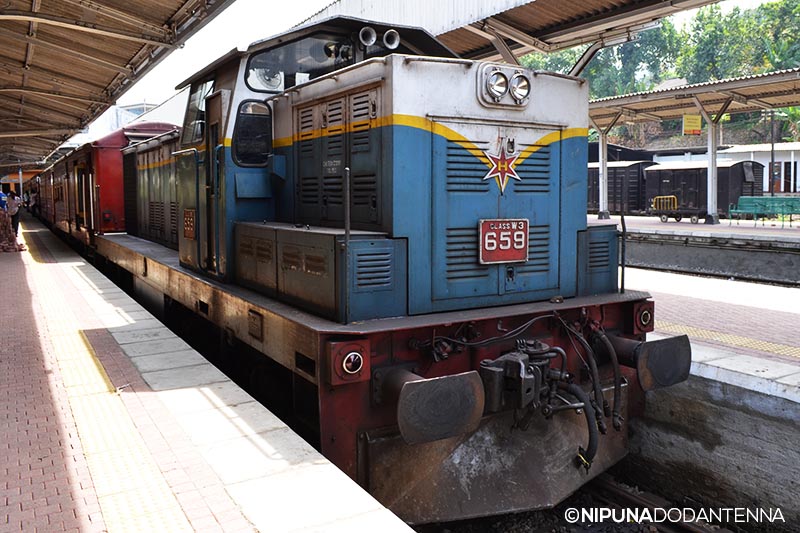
(8, 241)
(14, 203)
(35, 202)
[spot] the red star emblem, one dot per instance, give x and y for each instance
(502, 168)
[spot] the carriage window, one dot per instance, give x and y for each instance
(195, 122)
(748, 172)
(277, 69)
(252, 138)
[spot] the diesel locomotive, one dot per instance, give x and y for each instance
(410, 228)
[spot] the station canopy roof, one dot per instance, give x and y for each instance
(736, 95)
(63, 63)
(552, 25)
(474, 28)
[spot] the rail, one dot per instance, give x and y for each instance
(614, 494)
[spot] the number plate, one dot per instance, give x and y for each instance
(503, 240)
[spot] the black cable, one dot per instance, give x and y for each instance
(599, 399)
(516, 332)
(585, 457)
(612, 354)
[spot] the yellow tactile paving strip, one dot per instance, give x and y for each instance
(131, 490)
(737, 341)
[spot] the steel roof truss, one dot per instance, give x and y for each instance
(517, 35)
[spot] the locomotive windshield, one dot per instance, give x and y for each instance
(276, 69)
(280, 68)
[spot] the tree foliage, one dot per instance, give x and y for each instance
(713, 45)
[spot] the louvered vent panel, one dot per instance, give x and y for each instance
(373, 270)
(360, 115)
(334, 129)
(364, 189)
(305, 130)
(292, 259)
(534, 171)
(599, 255)
(461, 255)
(538, 250)
(156, 211)
(309, 189)
(264, 250)
(246, 247)
(466, 168)
(173, 219)
(332, 190)
(315, 265)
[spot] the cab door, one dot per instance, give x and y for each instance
(213, 187)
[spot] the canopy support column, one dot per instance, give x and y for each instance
(713, 124)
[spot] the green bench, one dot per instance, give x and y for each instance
(765, 207)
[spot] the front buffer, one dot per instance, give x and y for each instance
(492, 416)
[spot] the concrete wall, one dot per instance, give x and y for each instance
(715, 445)
(755, 258)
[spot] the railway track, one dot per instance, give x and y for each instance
(604, 493)
(611, 494)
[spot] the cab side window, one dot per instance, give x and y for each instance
(252, 136)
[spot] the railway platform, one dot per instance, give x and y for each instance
(728, 436)
(112, 423)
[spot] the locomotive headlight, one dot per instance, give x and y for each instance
(352, 363)
(497, 84)
(520, 87)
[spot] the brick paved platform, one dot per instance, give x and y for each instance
(744, 334)
(108, 422)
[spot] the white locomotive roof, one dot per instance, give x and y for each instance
(682, 165)
(617, 164)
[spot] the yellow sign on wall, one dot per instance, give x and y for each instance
(692, 124)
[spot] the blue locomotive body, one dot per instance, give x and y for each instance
(424, 218)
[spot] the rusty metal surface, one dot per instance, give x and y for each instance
(490, 471)
(66, 62)
(436, 408)
(278, 332)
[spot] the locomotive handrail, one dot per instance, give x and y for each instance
(216, 174)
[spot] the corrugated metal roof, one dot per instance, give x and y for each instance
(63, 63)
(763, 147)
(735, 95)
